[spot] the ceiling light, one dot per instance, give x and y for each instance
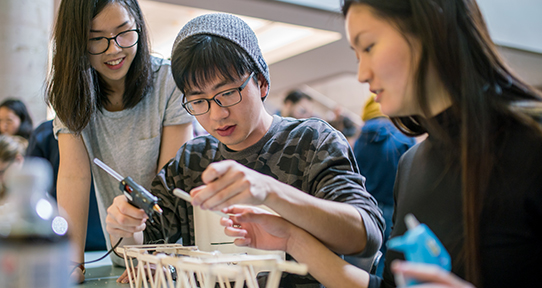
(277, 40)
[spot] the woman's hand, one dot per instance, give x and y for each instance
(77, 276)
(124, 279)
(431, 276)
(123, 219)
(257, 228)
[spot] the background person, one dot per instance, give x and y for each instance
(298, 105)
(114, 102)
(14, 119)
(475, 181)
(43, 144)
(342, 123)
(377, 150)
(12, 150)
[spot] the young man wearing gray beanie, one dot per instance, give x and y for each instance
(302, 169)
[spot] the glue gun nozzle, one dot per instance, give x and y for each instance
(157, 208)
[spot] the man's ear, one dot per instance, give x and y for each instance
(264, 86)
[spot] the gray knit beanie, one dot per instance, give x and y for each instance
(229, 27)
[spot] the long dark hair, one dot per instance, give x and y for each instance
(455, 40)
(18, 107)
(75, 89)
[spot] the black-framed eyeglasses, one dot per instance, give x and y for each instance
(226, 98)
(124, 39)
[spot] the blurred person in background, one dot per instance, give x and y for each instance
(377, 150)
(43, 144)
(12, 151)
(297, 105)
(342, 123)
(14, 119)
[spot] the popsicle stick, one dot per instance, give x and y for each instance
(186, 197)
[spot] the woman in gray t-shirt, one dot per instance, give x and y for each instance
(113, 102)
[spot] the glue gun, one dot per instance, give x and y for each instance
(420, 245)
(137, 195)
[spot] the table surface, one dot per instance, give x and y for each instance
(101, 273)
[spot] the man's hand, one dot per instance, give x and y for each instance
(228, 183)
(123, 219)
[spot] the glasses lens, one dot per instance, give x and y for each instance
(98, 45)
(224, 99)
(198, 106)
(229, 97)
(127, 39)
(124, 39)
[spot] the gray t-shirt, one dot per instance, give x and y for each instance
(128, 141)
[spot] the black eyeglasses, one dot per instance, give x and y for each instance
(226, 98)
(124, 39)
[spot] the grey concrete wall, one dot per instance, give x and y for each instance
(25, 31)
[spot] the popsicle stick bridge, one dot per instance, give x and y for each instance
(177, 266)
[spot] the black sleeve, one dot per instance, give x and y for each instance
(35, 143)
(335, 176)
(374, 281)
(176, 219)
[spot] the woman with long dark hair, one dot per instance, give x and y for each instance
(113, 101)
(475, 181)
(14, 119)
